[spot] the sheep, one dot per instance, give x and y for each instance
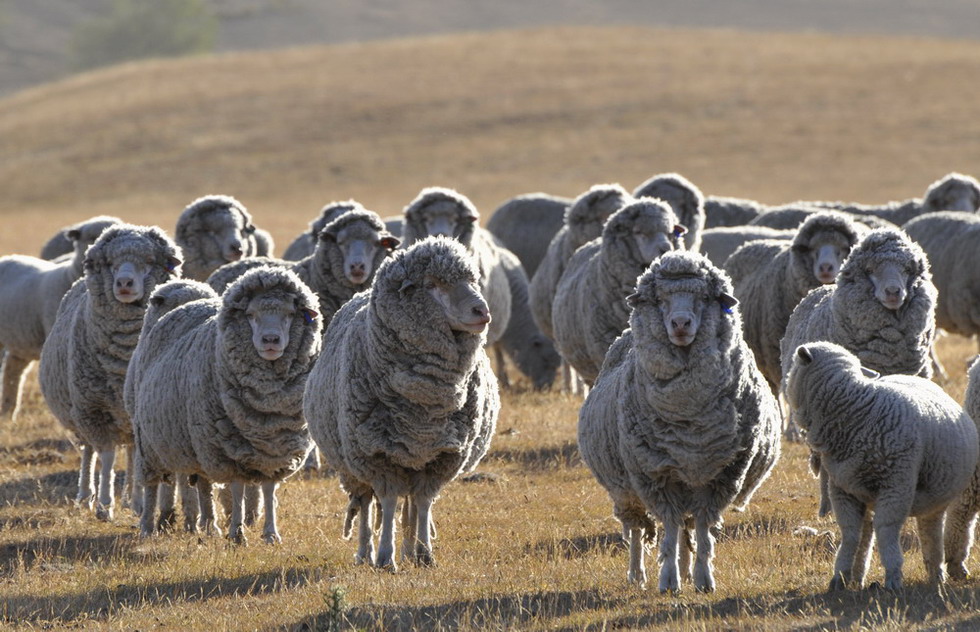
(961, 517)
(951, 241)
(771, 277)
(441, 211)
(792, 216)
(583, 222)
(405, 401)
(589, 309)
(526, 224)
(897, 446)
(680, 424)
(304, 244)
(684, 198)
(726, 211)
(62, 243)
(85, 356)
(218, 394)
(30, 291)
(719, 243)
(212, 231)
(395, 224)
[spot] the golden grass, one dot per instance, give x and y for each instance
(775, 117)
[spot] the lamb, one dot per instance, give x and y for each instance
(961, 517)
(897, 446)
(304, 245)
(405, 401)
(85, 356)
(526, 224)
(62, 243)
(589, 310)
(771, 277)
(950, 241)
(684, 198)
(212, 231)
(441, 211)
(218, 394)
(583, 223)
(30, 291)
(680, 424)
(719, 243)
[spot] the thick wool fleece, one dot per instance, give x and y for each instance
(200, 222)
(526, 224)
(304, 244)
(961, 518)
(684, 198)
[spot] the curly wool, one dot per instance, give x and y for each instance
(684, 198)
(848, 314)
(589, 310)
(199, 221)
(305, 243)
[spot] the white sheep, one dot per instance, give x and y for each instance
(684, 198)
(961, 517)
(680, 424)
(717, 244)
(212, 231)
(892, 447)
(526, 224)
(63, 244)
(405, 399)
(218, 394)
(85, 357)
(305, 243)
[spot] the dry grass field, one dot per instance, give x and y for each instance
(773, 117)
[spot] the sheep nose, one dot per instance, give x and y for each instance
(271, 339)
(680, 323)
(482, 313)
(893, 292)
(125, 283)
(826, 268)
(357, 268)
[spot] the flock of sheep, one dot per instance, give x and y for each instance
(701, 330)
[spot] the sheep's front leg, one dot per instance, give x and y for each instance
(891, 510)
(931, 536)
(669, 576)
(410, 518)
(685, 550)
(86, 477)
(14, 368)
(850, 513)
(147, 527)
(365, 530)
(236, 531)
(961, 520)
(205, 498)
(167, 498)
(132, 494)
(637, 573)
(386, 541)
(704, 578)
(103, 509)
(190, 504)
(862, 556)
(422, 508)
(253, 504)
(270, 532)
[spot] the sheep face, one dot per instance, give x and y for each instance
(359, 244)
(445, 218)
(270, 316)
(890, 282)
(682, 316)
(954, 193)
(651, 244)
(824, 253)
(228, 234)
(128, 262)
(461, 302)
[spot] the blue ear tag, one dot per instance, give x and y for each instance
(727, 310)
(677, 233)
(171, 267)
(309, 316)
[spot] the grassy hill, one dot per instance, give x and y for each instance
(773, 117)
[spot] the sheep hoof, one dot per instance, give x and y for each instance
(836, 584)
(237, 536)
(103, 513)
(190, 525)
(958, 572)
(425, 558)
(167, 521)
(272, 538)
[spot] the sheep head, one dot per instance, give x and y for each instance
(816, 364)
(890, 264)
(330, 212)
(214, 230)
(954, 192)
(443, 212)
(681, 194)
(353, 245)
(127, 262)
(643, 230)
(821, 244)
(589, 211)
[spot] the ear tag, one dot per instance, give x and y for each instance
(309, 316)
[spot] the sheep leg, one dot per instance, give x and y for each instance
(253, 504)
(132, 494)
(501, 366)
(961, 519)
(931, 537)
(850, 514)
(386, 541)
(409, 529)
(312, 460)
(704, 572)
(147, 528)
(862, 557)
(685, 549)
(189, 503)
(14, 368)
(365, 530)
(166, 498)
(236, 531)
(888, 528)
(86, 477)
(567, 379)
(669, 576)
(422, 508)
(205, 498)
(270, 532)
(103, 508)
(637, 573)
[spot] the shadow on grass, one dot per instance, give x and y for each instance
(493, 613)
(582, 546)
(54, 488)
(538, 459)
(68, 550)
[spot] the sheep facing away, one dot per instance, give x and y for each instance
(680, 423)
(305, 243)
(590, 309)
(438, 211)
(218, 394)
(85, 357)
(405, 400)
(31, 290)
(63, 243)
(961, 517)
(526, 224)
(212, 231)
(717, 244)
(892, 446)
(771, 277)
(684, 198)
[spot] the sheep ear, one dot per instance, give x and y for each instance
(471, 219)
(800, 248)
(309, 315)
(156, 300)
(389, 242)
(249, 229)
(326, 235)
(727, 302)
(90, 265)
(172, 264)
(804, 355)
(634, 299)
(74, 234)
(679, 229)
(407, 285)
(870, 373)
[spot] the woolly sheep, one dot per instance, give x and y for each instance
(405, 400)
(62, 243)
(526, 224)
(30, 291)
(218, 394)
(680, 424)
(961, 517)
(771, 277)
(792, 216)
(441, 211)
(590, 310)
(719, 243)
(583, 220)
(951, 241)
(727, 211)
(684, 198)
(897, 446)
(212, 231)
(304, 244)
(85, 357)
